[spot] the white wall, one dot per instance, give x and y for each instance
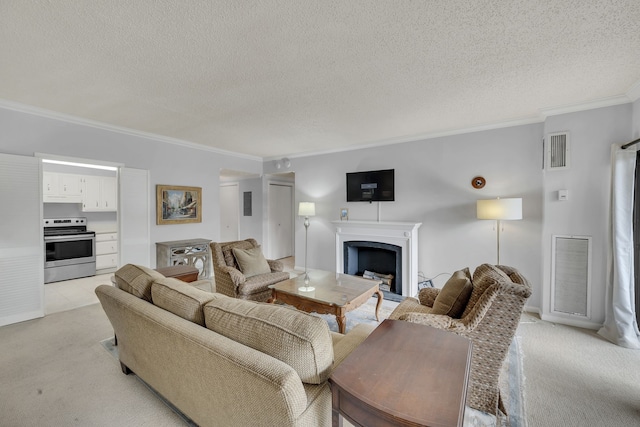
(433, 186)
(588, 180)
(24, 134)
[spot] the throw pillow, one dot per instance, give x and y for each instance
(251, 261)
(452, 298)
(298, 339)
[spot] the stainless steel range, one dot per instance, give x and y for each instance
(70, 250)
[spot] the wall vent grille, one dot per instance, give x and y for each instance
(557, 151)
(571, 276)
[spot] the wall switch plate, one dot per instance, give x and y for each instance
(563, 195)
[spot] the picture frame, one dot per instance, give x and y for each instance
(178, 204)
(344, 214)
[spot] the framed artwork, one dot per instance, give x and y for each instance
(344, 214)
(178, 205)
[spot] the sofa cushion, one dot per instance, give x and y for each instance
(484, 276)
(251, 262)
(298, 339)
(454, 295)
(180, 298)
(136, 280)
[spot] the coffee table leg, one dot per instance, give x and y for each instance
(341, 319)
(379, 303)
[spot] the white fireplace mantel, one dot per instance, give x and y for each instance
(402, 234)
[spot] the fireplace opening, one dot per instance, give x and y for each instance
(381, 258)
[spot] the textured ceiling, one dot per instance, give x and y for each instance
(274, 78)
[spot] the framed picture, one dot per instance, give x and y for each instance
(178, 205)
(344, 214)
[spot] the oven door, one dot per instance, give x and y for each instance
(69, 250)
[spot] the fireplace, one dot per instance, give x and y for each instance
(382, 258)
(381, 235)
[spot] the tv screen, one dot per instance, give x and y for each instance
(371, 186)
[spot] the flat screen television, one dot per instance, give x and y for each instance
(371, 186)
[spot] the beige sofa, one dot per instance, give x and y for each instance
(223, 361)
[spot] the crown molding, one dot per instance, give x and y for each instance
(28, 109)
(583, 106)
(634, 92)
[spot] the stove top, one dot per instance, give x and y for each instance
(65, 226)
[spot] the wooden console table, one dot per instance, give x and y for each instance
(193, 252)
(403, 374)
(186, 273)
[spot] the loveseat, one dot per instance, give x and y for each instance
(485, 308)
(222, 361)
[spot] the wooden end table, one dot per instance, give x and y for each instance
(334, 293)
(186, 273)
(403, 374)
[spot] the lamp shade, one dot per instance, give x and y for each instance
(499, 209)
(306, 209)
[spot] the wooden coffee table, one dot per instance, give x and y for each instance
(334, 293)
(403, 374)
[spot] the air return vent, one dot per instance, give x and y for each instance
(557, 151)
(571, 275)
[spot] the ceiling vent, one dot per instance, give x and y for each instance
(557, 151)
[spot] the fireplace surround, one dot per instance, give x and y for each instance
(382, 234)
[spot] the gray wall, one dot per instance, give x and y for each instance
(25, 134)
(433, 187)
(588, 180)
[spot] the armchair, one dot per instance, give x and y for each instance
(489, 320)
(231, 281)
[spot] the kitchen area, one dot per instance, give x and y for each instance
(80, 228)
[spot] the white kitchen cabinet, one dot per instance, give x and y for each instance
(100, 194)
(61, 187)
(106, 252)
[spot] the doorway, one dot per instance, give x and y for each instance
(280, 224)
(229, 212)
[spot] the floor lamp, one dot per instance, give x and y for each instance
(498, 210)
(306, 209)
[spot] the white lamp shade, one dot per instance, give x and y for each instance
(306, 209)
(508, 209)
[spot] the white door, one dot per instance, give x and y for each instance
(21, 241)
(134, 217)
(229, 212)
(280, 220)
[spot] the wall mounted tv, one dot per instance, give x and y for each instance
(371, 186)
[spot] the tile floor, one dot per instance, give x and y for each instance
(70, 294)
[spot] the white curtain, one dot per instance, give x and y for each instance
(620, 326)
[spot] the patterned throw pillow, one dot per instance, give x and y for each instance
(454, 295)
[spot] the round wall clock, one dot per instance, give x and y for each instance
(478, 182)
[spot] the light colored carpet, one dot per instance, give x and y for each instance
(574, 377)
(54, 372)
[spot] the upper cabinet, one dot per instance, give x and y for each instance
(61, 187)
(100, 194)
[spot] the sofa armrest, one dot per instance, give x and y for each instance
(428, 295)
(439, 321)
(236, 275)
(275, 265)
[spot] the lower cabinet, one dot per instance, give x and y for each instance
(106, 252)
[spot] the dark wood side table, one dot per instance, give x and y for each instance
(186, 273)
(403, 374)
